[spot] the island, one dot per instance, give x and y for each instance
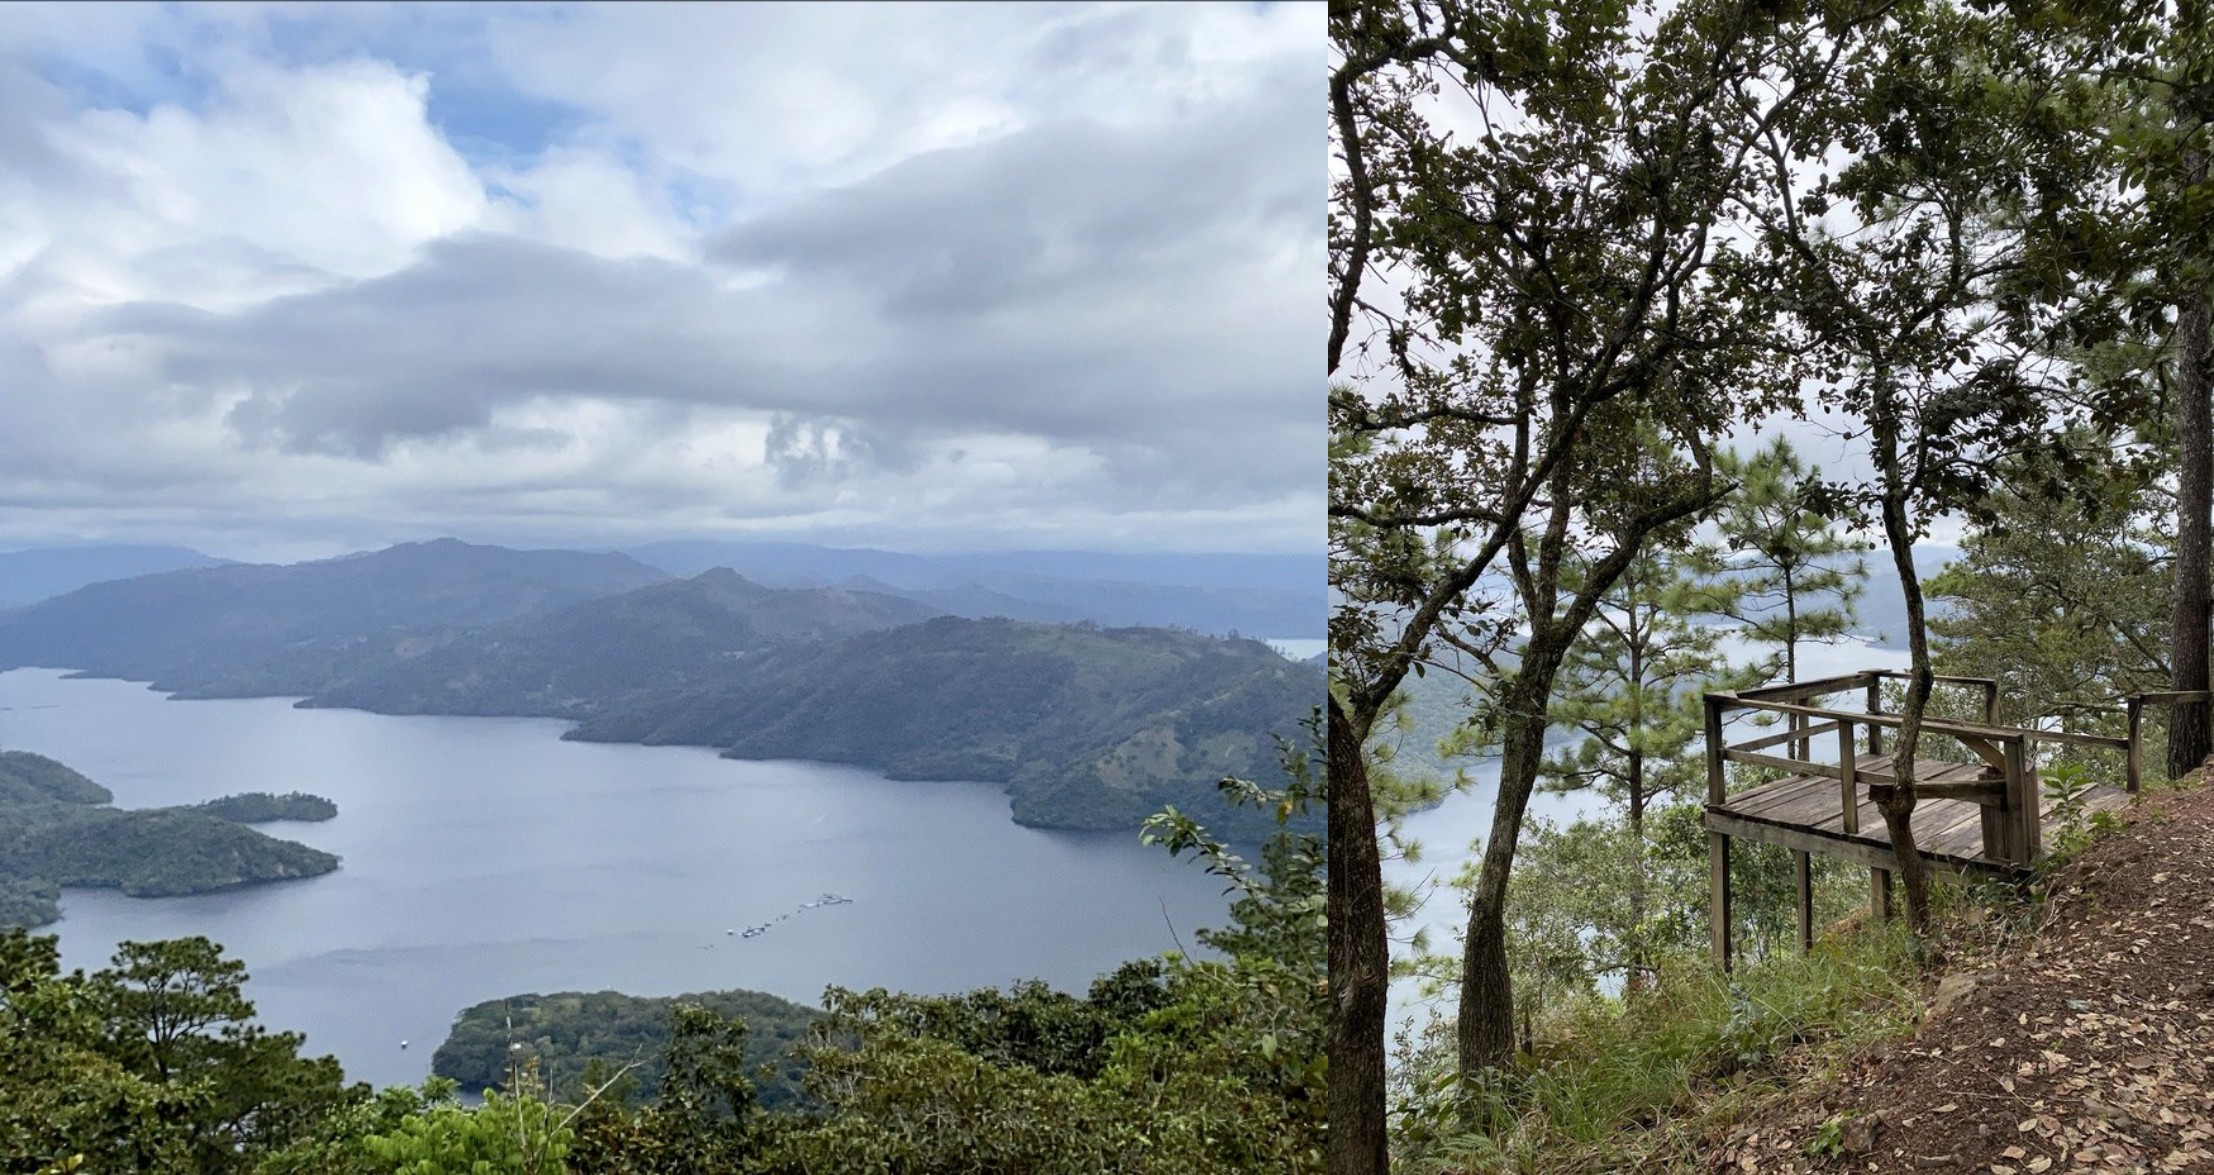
(59, 828)
(576, 1035)
(260, 807)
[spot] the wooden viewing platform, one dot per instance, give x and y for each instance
(1985, 816)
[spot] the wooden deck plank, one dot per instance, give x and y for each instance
(1802, 812)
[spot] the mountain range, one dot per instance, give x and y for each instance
(1088, 726)
(1258, 595)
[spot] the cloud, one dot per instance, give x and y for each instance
(1039, 273)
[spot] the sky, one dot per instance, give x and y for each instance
(287, 280)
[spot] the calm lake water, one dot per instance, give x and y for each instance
(485, 857)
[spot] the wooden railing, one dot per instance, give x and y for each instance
(2006, 788)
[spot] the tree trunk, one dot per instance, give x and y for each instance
(1791, 628)
(1360, 960)
(2188, 734)
(1486, 1026)
(1898, 811)
(1640, 960)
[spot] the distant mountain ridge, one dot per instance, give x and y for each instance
(578, 660)
(1087, 726)
(261, 629)
(1256, 595)
(27, 577)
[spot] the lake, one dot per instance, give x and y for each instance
(484, 857)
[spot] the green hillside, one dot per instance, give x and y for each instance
(1089, 728)
(57, 829)
(610, 651)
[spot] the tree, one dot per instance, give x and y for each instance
(174, 1013)
(1631, 685)
(62, 1099)
(2158, 61)
(1952, 161)
(2060, 593)
(151, 1065)
(1791, 558)
(1566, 285)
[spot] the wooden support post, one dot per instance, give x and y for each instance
(1848, 771)
(2029, 824)
(1875, 706)
(1719, 914)
(1879, 893)
(2134, 772)
(1991, 703)
(2010, 826)
(1803, 867)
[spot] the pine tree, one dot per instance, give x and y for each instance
(1800, 574)
(1632, 686)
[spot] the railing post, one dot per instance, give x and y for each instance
(2134, 772)
(1991, 702)
(2010, 830)
(1848, 777)
(1875, 706)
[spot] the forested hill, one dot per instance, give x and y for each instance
(248, 629)
(568, 1032)
(1088, 727)
(616, 650)
(57, 829)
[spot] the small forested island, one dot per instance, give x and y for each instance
(581, 1039)
(260, 807)
(58, 828)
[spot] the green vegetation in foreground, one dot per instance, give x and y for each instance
(56, 829)
(153, 1064)
(1674, 1059)
(578, 1039)
(260, 807)
(1684, 1056)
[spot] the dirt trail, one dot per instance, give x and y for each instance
(2088, 1048)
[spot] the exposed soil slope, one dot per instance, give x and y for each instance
(2086, 1047)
